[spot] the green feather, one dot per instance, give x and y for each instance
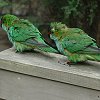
(74, 43)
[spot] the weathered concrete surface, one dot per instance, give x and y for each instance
(14, 86)
(47, 66)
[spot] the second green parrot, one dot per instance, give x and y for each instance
(74, 43)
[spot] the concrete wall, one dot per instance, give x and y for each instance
(14, 86)
(40, 77)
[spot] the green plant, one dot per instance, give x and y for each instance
(3, 3)
(79, 9)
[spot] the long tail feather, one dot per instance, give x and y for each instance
(93, 57)
(48, 49)
(91, 50)
(41, 46)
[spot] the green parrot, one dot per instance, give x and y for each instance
(74, 43)
(23, 34)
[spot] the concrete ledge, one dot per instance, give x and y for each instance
(46, 65)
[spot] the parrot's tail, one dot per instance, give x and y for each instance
(48, 49)
(40, 46)
(93, 57)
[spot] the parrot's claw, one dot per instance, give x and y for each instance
(16, 51)
(64, 63)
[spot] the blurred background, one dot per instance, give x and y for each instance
(84, 14)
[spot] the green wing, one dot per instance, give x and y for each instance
(27, 34)
(23, 30)
(78, 41)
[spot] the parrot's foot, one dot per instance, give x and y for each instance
(70, 63)
(65, 63)
(16, 51)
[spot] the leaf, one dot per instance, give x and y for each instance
(3, 3)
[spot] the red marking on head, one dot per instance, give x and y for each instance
(49, 33)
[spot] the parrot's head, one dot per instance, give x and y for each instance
(57, 29)
(7, 20)
(58, 26)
